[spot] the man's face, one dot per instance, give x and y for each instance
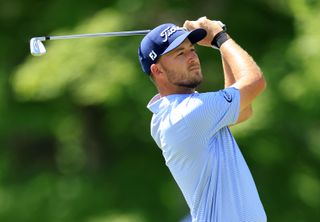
(182, 66)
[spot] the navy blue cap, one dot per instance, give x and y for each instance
(163, 39)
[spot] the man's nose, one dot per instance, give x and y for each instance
(192, 56)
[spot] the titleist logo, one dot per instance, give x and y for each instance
(168, 32)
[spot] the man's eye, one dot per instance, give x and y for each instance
(180, 53)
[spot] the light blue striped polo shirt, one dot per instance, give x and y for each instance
(203, 157)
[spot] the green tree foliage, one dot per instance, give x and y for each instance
(74, 130)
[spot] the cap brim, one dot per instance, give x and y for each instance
(194, 36)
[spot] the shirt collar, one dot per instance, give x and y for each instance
(157, 102)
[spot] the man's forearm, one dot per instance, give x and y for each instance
(228, 75)
(238, 61)
(229, 80)
(248, 76)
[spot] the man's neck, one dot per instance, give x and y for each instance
(181, 90)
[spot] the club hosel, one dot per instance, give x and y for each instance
(42, 38)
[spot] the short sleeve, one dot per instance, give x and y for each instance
(215, 110)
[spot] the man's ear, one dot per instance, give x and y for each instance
(156, 70)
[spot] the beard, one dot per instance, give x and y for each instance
(190, 79)
(190, 84)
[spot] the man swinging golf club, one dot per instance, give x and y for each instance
(192, 129)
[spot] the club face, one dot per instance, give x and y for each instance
(36, 47)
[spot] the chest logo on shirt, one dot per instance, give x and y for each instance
(227, 96)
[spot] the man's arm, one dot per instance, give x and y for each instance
(228, 75)
(248, 76)
(229, 79)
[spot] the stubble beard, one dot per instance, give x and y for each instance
(190, 80)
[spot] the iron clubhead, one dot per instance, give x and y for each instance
(36, 46)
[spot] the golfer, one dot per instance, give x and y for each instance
(192, 128)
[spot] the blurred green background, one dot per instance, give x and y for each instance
(74, 128)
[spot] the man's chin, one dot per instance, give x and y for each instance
(190, 85)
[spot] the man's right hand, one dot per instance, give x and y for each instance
(212, 28)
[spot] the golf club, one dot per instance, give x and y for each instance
(37, 48)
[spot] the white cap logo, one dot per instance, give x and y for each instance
(168, 32)
(153, 55)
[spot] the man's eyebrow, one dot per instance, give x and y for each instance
(180, 48)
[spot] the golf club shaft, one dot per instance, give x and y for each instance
(124, 33)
